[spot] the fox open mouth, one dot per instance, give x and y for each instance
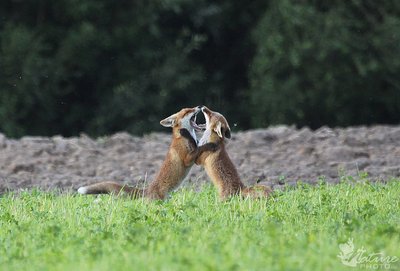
(199, 127)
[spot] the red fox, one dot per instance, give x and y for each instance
(180, 157)
(217, 163)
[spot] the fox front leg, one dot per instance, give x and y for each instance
(191, 157)
(185, 133)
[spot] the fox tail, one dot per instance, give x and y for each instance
(111, 188)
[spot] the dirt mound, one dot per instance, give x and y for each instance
(277, 155)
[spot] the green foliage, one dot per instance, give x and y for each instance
(99, 66)
(333, 63)
(302, 226)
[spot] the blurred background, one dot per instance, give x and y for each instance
(101, 66)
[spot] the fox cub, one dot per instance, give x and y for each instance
(181, 155)
(217, 163)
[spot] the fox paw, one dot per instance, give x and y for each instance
(210, 147)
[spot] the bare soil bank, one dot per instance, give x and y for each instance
(277, 155)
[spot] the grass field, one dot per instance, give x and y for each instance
(298, 229)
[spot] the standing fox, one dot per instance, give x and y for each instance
(181, 155)
(217, 163)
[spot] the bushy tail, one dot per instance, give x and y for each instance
(111, 188)
(256, 191)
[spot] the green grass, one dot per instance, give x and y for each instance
(298, 229)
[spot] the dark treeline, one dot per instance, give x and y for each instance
(100, 66)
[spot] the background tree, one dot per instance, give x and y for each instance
(100, 66)
(321, 63)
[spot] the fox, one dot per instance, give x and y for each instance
(217, 163)
(181, 155)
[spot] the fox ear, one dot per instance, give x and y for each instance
(218, 129)
(168, 122)
(228, 133)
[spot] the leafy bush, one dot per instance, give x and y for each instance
(333, 63)
(99, 66)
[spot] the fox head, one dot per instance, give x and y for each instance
(184, 119)
(217, 127)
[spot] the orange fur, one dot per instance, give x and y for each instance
(180, 157)
(217, 163)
